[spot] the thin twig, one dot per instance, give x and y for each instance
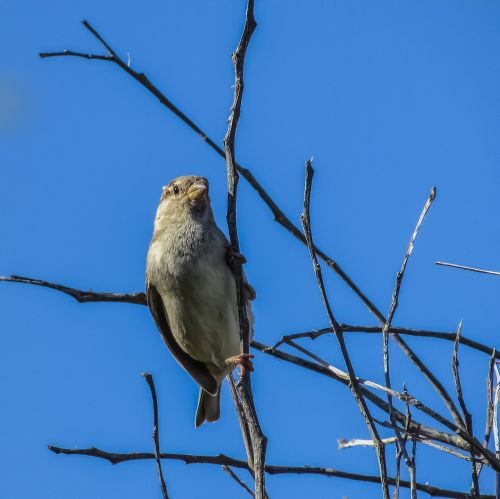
(345, 444)
(463, 267)
(495, 426)
(245, 430)
(244, 388)
(78, 294)
(360, 442)
(353, 383)
(235, 477)
(489, 407)
(465, 411)
(351, 328)
(401, 443)
(156, 433)
(221, 459)
(412, 463)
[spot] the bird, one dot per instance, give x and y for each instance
(191, 290)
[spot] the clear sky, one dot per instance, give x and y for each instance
(389, 97)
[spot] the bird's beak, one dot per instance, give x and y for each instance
(197, 190)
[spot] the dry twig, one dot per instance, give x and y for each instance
(465, 411)
(463, 267)
(352, 328)
(258, 441)
(235, 477)
(353, 382)
(401, 442)
(156, 433)
(221, 459)
(79, 295)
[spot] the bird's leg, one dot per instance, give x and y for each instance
(244, 360)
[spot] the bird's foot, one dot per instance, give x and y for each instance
(233, 256)
(243, 360)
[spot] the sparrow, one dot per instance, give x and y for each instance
(191, 290)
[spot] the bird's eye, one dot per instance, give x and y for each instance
(175, 190)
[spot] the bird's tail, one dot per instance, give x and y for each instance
(208, 407)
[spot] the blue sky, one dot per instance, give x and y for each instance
(390, 98)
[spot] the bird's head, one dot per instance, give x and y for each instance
(185, 198)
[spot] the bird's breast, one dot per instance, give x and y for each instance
(199, 294)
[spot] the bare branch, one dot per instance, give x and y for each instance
(496, 437)
(353, 383)
(401, 443)
(346, 444)
(350, 328)
(359, 442)
(257, 439)
(72, 53)
(245, 429)
(489, 406)
(221, 459)
(79, 295)
(156, 433)
(412, 462)
(233, 177)
(463, 267)
(465, 411)
(235, 477)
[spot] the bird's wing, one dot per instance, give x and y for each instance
(198, 371)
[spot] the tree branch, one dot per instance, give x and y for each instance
(244, 388)
(156, 433)
(221, 459)
(463, 267)
(353, 382)
(350, 328)
(465, 411)
(401, 442)
(489, 406)
(79, 295)
(235, 477)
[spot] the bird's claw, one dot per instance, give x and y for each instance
(233, 256)
(243, 360)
